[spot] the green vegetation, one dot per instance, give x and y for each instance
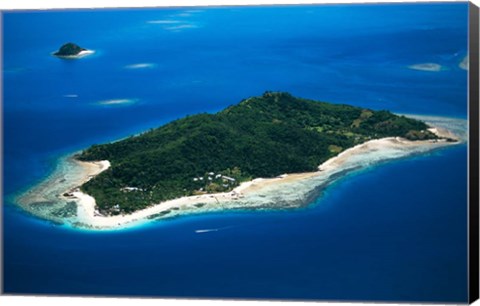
(260, 137)
(69, 49)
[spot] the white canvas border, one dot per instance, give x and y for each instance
(77, 301)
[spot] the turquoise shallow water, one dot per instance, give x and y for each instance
(392, 232)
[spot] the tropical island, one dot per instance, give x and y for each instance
(72, 51)
(271, 151)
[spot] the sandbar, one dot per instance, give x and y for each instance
(117, 102)
(432, 67)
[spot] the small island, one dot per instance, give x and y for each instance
(72, 51)
(274, 151)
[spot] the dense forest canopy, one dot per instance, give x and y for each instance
(262, 136)
(69, 49)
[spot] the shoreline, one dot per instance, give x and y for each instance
(46, 199)
(81, 54)
(78, 209)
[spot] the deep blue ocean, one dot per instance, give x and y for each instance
(393, 232)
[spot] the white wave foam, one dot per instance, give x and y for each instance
(164, 21)
(117, 101)
(181, 27)
(140, 66)
(432, 67)
(185, 14)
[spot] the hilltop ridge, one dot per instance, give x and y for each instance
(262, 136)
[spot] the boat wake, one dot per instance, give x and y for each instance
(209, 230)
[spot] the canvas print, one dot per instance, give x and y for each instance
(303, 152)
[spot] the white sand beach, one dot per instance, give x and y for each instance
(286, 191)
(76, 56)
(70, 174)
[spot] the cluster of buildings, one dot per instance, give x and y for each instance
(212, 176)
(209, 177)
(128, 189)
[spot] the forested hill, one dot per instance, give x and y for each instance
(262, 136)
